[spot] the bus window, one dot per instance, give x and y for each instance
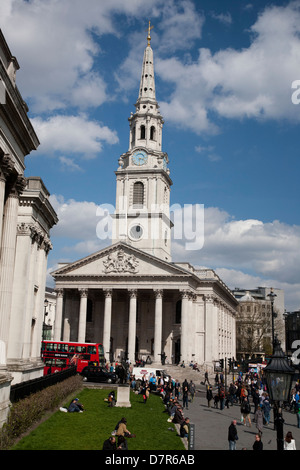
(61, 363)
(51, 347)
(49, 362)
(62, 347)
(81, 349)
(71, 349)
(91, 350)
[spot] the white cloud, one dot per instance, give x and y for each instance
(72, 134)
(253, 82)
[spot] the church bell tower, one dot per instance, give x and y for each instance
(142, 216)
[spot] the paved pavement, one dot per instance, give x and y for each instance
(211, 426)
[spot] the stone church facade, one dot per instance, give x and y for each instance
(131, 296)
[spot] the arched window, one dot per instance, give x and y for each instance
(152, 133)
(143, 132)
(138, 194)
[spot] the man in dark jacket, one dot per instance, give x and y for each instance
(232, 435)
(110, 444)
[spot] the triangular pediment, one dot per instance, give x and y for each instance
(120, 260)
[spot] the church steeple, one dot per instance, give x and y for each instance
(147, 85)
(142, 216)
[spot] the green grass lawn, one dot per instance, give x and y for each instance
(88, 430)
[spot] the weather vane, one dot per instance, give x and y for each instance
(149, 37)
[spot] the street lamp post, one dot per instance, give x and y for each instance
(279, 375)
(272, 298)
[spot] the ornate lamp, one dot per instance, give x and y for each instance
(279, 375)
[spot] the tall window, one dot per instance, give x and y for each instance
(152, 133)
(143, 132)
(138, 194)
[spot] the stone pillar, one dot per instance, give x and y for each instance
(8, 247)
(132, 325)
(158, 325)
(184, 340)
(107, 322)
(211, 330)
(82, 315)
(58, 314)
(21, 289)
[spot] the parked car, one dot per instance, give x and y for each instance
(98, 374)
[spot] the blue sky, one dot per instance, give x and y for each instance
(223, 71)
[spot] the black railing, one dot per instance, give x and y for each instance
(24, 389)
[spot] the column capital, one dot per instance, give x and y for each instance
(83, 292)
(186, 294)
(108, 292)
(59, 292)
(132, 293)
(158, 293)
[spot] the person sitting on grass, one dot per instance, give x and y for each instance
(122, 429)
(110, 444)
(75, 406)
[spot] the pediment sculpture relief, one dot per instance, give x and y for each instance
(120, 262)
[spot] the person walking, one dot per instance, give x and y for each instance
(258, 445)
(259, 420)
(266, 407)
(232, 435)
(245, 411)
(192, 390)
(185, 396)
(289, 442)
(209, 396)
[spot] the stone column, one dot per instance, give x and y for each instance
(184, 340)
(82, 315)
(211, 330)
(8, 247)
(21, 289)
(107, 321)
(58, 314)
(158, 325)
(132, 325)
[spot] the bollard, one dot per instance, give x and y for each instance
(192, 437)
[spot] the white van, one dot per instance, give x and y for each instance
(140, 372)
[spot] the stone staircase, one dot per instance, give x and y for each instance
(182, 373)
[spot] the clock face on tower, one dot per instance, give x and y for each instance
(139, 158)
(136, 232)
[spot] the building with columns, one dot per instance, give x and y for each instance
(131, 296)
(26, 217)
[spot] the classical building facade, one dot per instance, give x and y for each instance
(131, 296)
(255, 327)
(26, 217)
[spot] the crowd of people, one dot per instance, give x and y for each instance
(248, 392)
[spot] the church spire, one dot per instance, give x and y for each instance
(147, 84)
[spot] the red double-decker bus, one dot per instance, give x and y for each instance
(59, 355)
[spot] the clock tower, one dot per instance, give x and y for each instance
(142, 216)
